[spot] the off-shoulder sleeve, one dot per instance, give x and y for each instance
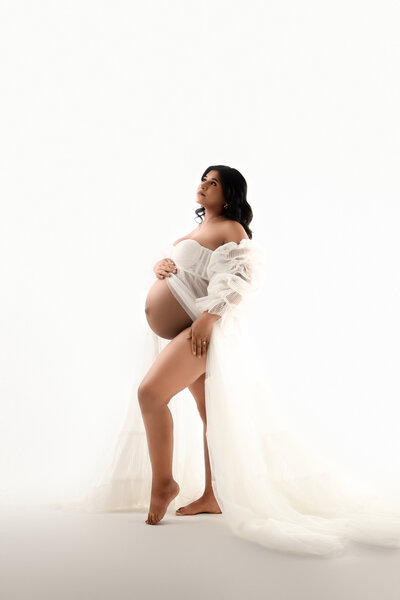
(235, 271)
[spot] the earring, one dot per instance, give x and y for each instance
(226, 205)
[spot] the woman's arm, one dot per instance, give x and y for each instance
(234, 273)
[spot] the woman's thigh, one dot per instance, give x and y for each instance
(174, 369)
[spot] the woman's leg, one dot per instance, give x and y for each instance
(174, 369)
(207, 502)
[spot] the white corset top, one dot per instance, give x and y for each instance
(191, 279)
(190, 255)
(213, 280)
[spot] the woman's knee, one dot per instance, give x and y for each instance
(147, 396)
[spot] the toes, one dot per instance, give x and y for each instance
(153, 519)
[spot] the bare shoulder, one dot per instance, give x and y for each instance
(233, 231)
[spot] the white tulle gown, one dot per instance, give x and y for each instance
(270, 486)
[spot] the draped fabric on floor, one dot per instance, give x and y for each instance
(269, 483)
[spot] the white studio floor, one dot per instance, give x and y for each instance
(57, 555)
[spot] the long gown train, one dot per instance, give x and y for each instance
(269, 483)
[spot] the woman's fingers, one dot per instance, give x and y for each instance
(198, 348)
(169, 263)
(165, 268)
(166, 272)
(169, 268)
(193, 342)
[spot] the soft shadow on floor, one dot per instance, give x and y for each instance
(57, 555)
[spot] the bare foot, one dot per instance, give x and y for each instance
(205, 504)
(160, 499)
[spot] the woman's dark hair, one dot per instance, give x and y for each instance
(234, 188)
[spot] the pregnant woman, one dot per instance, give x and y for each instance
(258, 473)
(175, 310)
(261, 476)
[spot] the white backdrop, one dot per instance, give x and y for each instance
(110, 112)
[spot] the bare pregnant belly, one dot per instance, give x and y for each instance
(164, 314)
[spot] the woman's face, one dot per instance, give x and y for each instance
(209, 192)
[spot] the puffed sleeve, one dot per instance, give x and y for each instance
(235, 272)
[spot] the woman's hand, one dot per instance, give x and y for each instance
(164, 267)
(200, 331)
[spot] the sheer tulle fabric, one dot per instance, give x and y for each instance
(270, 486)
(191, 279)
(235, 273)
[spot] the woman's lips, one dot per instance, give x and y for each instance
(201, 194)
